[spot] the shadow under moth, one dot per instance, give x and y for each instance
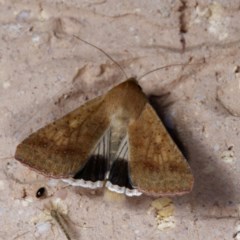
(116, 140)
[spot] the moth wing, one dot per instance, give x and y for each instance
(157, 167)
(61, 148)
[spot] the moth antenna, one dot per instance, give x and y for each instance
(159, 68)
(5, 158)
(171, 65)
(106, 54)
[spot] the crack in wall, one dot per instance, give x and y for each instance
(183, 23)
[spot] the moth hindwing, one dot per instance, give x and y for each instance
(116, 137)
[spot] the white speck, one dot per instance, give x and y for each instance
(25, 203)
(40, 37)
(2, 211)
(20, 212)
(29, 199)
(216, 147)
(60, 78)
(2, 185)
(44, 15)
(21, 93)
(52, 182)
(136, 231)
(13, 27)
(6, 85)
(137, 10)
(228, 156)
(23, 15)
(131, 29)
(166, 223)
(218, 23)
(42, 228)
(218, 124)
(17, 201)
(203, 12)
(200, 98)
(137, 39)
(36, 38)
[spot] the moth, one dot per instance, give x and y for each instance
(115, 140)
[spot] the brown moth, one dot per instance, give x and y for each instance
(116, 140)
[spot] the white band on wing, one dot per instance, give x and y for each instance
(83, 183)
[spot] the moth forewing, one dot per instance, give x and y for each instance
(61, 148)
(157, 167)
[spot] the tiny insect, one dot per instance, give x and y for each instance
(56, 210)
(60, 220)
(41, 192)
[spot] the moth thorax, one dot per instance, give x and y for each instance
(119, 123)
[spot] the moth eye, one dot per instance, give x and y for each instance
(41, 192)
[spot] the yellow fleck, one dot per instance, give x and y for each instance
(113, 196)
(228, 156)
(218, 22)
(6, 85)
(74, 123)
(164, 212)
(2, 185)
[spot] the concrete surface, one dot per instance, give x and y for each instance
(45, 72)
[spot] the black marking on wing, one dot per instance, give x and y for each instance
(97, 165)
(119, 174)
(94, 170)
